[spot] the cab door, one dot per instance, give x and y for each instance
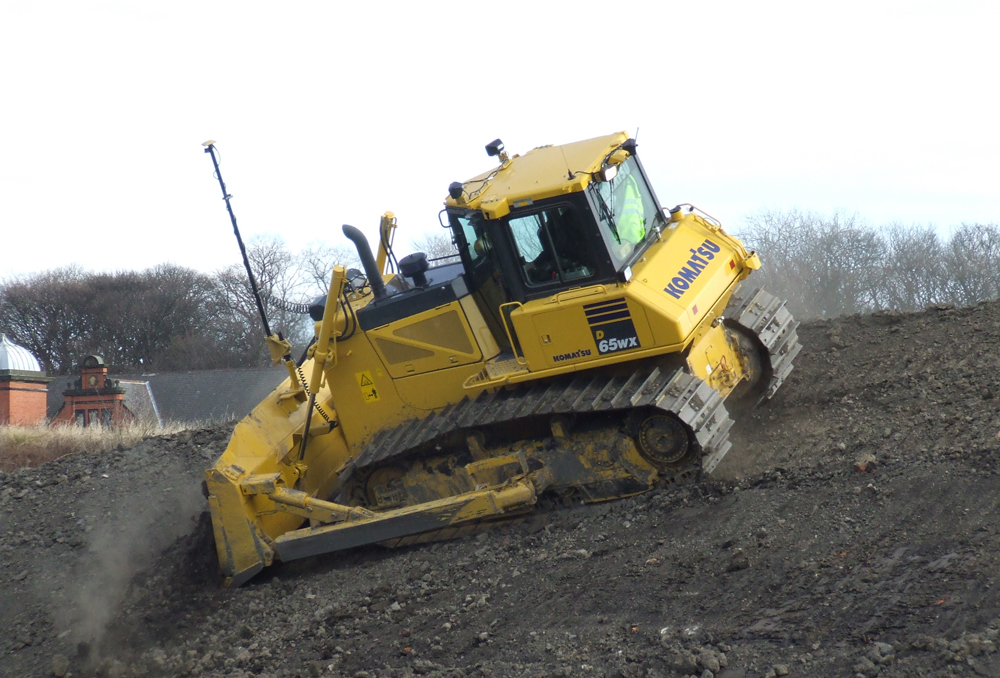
(483, 271)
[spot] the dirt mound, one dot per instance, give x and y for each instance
(851, 531)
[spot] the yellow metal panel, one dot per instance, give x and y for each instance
(360, 418)
(434, 390)
(572, 330)
(396, 353)
(715, 359)
(670, 323)
(680, 278)
(440, 329)
(487, 343)
(538, 174)
(433, 340)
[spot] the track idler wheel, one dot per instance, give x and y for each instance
(756, 367)
(662, 439)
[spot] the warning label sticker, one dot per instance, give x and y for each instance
(367, 384)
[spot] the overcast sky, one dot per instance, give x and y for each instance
(328, 114)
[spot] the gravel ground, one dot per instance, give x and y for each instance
(852, 531)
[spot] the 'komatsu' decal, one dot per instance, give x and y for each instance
(690, 272)
(582, 353)
(611, 324)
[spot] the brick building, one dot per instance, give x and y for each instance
(23, 385)
(94, 399)
(188, 397)
(27, 397)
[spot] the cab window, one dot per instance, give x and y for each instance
(471, 237)
(551, 246)
(625, 210)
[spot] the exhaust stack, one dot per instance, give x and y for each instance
(367, 260)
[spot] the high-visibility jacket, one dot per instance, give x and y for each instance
(631, 220)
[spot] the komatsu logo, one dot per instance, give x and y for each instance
(582, 353)
(690, 272)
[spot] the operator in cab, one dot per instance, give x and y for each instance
(632, 219)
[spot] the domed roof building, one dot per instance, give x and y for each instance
(16, 358)
(23, 385)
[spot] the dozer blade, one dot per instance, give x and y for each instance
(434, 515)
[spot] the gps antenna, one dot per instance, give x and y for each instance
(210, 149)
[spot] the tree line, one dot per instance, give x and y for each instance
(166, 318)
(829, 266)
(170, 318)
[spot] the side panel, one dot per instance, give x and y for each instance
(364, 392)
(433, 340)
(431, 354)
(480, 327)
(582, 328)
(683, 276)
(435, 390)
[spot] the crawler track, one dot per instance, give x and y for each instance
(693, 401)
(766, 317)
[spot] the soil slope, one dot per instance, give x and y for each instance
(788, 561)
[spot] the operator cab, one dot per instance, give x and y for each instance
(564, 229)
(578, 239)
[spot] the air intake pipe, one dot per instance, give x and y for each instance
(367, 260)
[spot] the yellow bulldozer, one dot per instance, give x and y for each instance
(582, 344)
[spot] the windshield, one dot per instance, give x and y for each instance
(625, 211)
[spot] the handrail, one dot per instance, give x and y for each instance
(584, 292)
(695, 208)
(510, 336)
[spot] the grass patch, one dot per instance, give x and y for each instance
(23, 446)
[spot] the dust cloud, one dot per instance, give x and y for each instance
(142, 527)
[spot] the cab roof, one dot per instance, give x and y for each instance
(540, 173)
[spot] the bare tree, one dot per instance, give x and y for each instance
(135, 316)
(914, 271)
(972, 259)
(821, 266)
(130, 318)
(42, 313)
(318, 259)
(437, 245)
(279, 280)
